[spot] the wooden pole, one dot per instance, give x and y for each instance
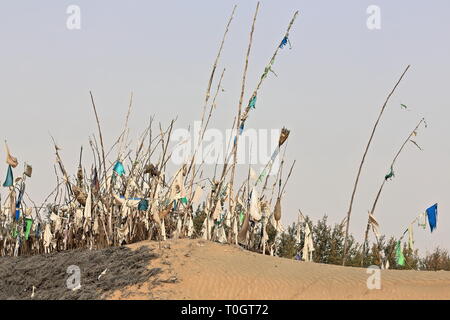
(372, 211)
(99, 133)
(241, 98)
(349, 212)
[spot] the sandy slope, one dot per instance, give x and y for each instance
(206, 270)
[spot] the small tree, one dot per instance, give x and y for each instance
(322, 241)
(199, 217)
(438, 260)
(288, 248)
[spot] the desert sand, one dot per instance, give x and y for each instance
(198, 269)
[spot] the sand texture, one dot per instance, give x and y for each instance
(198, 269)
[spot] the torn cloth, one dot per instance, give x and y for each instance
(308, 247)
(10, 160)
(422, 220)
(375, 226)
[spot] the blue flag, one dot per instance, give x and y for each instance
(284, 42)
(9, 178)
(432, 216)
(241, 128)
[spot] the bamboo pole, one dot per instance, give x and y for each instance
(194, 171)
(236, 141)
(124, 133)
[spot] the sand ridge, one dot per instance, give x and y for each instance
(198, 269)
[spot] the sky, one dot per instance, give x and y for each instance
(328, 91)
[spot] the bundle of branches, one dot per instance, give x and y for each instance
(134, 197)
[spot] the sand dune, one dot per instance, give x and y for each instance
(197, 269)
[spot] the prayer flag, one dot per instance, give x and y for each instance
(432, 216)
(399, 257)
(119, 169)
(9, 178)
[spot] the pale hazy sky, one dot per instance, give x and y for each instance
(329, 89)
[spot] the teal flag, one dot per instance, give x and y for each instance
(119, 169)
(9, 178)
(252, 102)
(143, 205)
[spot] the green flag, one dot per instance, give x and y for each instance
(14, 232)
(28, 224)
(390, 175)
(399, 257)
(241, 217)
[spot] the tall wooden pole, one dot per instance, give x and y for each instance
(349, 212)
